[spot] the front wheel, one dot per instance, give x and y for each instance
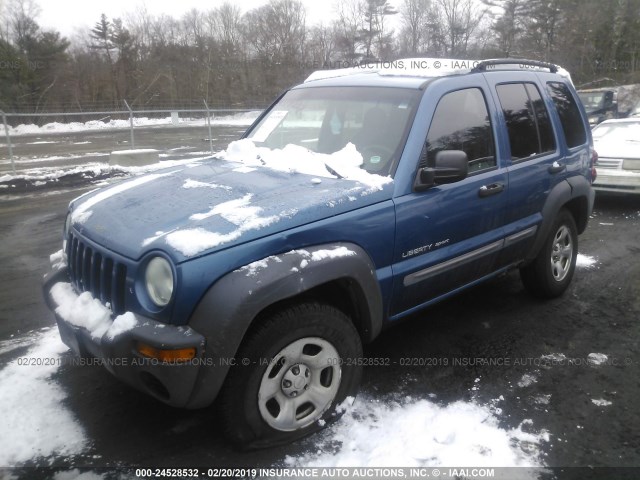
(550, 274)
(290, 374)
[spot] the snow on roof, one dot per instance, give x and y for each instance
(425, 67)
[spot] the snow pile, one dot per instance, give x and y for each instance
(243, 119)
(599, 402)
(420, 434)
(34, 420)
(75, 474)
(238, 119)
(121, 324)
(585, 261)
(58, 260)
(19, 161)
(345, 163)
(238, 212)
(87, 312)
(597, 358)
(94, 170)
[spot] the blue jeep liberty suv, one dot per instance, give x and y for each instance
(359, 197)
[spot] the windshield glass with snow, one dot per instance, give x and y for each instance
(325, 120)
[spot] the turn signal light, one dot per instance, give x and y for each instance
(175, 355)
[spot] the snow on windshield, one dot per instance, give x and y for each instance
(345, 163)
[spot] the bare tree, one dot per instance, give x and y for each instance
(418, 27)
(21, 17)
(509, 23)
(461, 18)
(347, 28)
(277, 31)
(226, 28)
(321, 45)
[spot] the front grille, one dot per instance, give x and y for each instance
(94, 272)
(614, 163)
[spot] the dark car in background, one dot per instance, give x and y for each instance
(609, 102)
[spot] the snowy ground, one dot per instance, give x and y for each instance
(377, 430)
(575, 396)
(238, 119)
(38, 428)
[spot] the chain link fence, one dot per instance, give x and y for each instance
(16, 124)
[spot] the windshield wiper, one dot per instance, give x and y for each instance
(333, 172)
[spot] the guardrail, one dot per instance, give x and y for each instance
(208, 112)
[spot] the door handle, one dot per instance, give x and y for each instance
(557, 167)
(488, 190)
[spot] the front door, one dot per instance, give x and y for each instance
(450, 235)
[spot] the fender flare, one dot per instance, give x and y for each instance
(228, 308)
(563, 193)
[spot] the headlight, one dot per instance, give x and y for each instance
(158, 279)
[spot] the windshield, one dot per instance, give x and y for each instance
(592, 101)
(375, 120)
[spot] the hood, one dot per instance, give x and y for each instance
(212, 205)
(617, 148)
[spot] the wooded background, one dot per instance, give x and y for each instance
(235, 59)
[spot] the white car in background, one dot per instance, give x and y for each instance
(617, 143)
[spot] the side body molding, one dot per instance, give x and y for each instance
(227, 310)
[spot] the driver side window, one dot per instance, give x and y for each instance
(461, 122)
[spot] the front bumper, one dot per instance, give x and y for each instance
(617, 181)
(174, 383)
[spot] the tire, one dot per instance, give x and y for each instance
(550, 274)
(290, 374)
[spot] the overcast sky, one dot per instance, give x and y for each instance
(68, 15)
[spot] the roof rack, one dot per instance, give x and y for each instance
(437, 67)
(521, 62)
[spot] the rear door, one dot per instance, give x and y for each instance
(450, 235)
(534, 154)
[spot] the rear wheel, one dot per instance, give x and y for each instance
(290, 374)
(549, 275)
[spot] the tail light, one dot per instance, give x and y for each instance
(594, 161)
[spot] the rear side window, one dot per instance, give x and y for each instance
(570, 117)
(528, 124)
(461, 122)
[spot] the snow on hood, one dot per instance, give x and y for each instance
(243, 194)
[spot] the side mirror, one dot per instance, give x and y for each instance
(451, 166)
